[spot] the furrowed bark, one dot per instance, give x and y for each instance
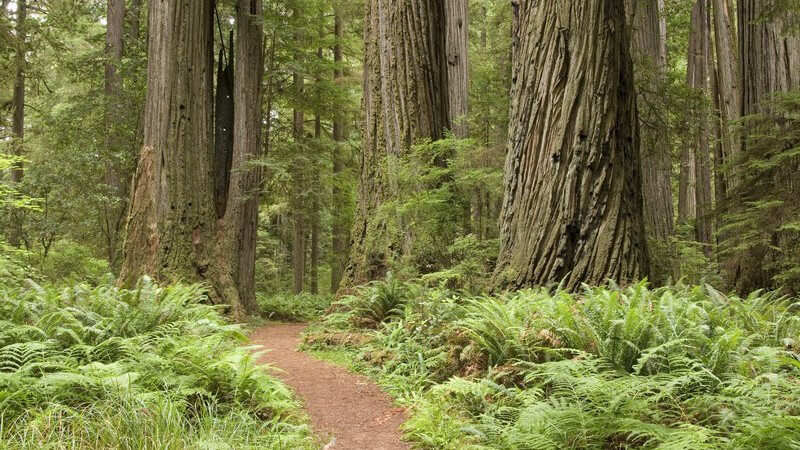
(573, 195)
(405, 102)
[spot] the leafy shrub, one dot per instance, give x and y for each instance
(153, 368)
(293, 308)
(676, 367)
(69, 263)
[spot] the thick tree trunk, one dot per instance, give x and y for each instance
(224, 112)
(769, 62)
(405, 101)
(457, 17)
(240, 225)
(18, 99)
(649, 56)
(171, 226)
(298, 199)
(573, 195)
(339, 234)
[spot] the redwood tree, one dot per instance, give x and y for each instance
(573, 197)
(405, 102)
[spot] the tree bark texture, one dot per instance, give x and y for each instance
(171, 226)
(573, 194)
(457, 16)
(405, 102)
(699, 65)
(728, 91)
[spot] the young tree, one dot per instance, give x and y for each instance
(339, 234)
(405, 102)
(573, 202)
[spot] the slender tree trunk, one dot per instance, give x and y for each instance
(457, 17)
(698, 77)
(649, 56)
(315, 212)
(728, 93)
(298, 199)
(113, 215)
(240, 224)
(405, 101)
(339, 234)
(573, 195)
(171, 226)
(18, 99)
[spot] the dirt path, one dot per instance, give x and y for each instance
(349, 410)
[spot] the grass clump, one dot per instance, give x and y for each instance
(149, 368)
(610, 367)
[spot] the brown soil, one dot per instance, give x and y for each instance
(349, 410)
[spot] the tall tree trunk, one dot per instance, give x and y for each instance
(728, 93)
(18, 99)
(315, 210)
(171, 226)
(698, 78)
(405, 101)
(113, 215)
(224, 112)
(650, 64)
(298, 198)
(457, 17)
(573, 195)
(240, 224)
(339, 232)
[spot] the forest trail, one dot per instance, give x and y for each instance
(348, 409)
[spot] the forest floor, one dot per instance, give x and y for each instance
(348, 410)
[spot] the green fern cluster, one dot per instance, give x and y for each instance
(152, 368)
(678, 367)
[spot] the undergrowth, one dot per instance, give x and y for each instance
(679, 367)
(150, 368)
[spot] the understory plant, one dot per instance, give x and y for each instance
(608, 367)
(149, 368)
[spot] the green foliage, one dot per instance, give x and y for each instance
(152, 368)
(293, 308)
(68, 263)
(675, 367)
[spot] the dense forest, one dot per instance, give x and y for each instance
(532, 224)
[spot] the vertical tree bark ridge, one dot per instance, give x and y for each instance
(457, 17)
(240, 225)
(405, 101)
(171, 230)
(573, 204)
